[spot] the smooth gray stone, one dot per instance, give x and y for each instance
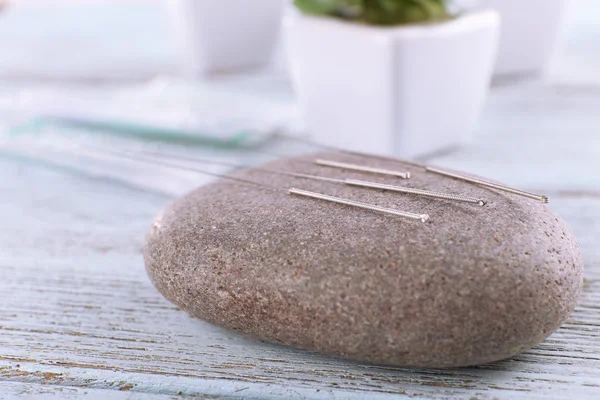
(470, 286)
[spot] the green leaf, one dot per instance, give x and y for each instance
(379, 12)
(316, 6)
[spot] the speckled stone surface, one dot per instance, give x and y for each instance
(470, 286)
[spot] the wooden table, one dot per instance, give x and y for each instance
(79, 318)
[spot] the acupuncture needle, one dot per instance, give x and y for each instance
(349, 182)
(362, 168)
(340, 165)
(488, 184)
(480, 182)
(292, 191)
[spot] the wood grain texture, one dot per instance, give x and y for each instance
(32, 391)
(80, 319)
(79, 311)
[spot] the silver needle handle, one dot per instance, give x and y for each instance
(420, 192)
(543, 199)
(358, 204)
(363, 168)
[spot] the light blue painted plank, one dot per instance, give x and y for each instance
(78, 307)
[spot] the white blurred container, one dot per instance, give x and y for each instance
(404, 91)
(530, 32)
(225, 35)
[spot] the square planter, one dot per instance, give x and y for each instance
(404, 91)
(225, 35)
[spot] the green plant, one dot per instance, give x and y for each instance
(379, 12)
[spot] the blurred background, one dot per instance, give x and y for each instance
(78, 74)
(120, 41)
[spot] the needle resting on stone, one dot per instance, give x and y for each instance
(480, 182)
(292, 191)
(404, 175)
(491, 185)
(350, 182)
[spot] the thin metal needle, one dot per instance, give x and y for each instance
(358, 204)
(350, 182)
(292, 191)
(362, 168)
(149, 160)
(419, 192)
(233, 165)
(543, 199)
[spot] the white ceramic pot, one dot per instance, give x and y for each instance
(225, 35)
(404, 91)
(530, 32)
